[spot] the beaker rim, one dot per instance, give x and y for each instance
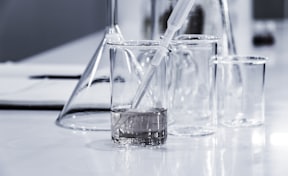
(196, 37)
(238, 59)
(134, 43)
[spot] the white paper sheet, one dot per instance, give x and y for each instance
(18, 90)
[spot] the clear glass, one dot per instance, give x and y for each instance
(209, 17)
(191, 88)
(88, 106)
(212, 17)
(149, 20)
(237, 150)
(139, 25)
(85, 103)
(239, 85)
(147, 123)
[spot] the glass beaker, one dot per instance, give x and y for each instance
(240, 94)
(191, 86)
(147, 123)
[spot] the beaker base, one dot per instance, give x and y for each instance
(190, 131)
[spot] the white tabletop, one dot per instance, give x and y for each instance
(31, 144)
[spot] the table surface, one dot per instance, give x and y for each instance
(31, 143)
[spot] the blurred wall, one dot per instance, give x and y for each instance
(28, 27)
(269, 9)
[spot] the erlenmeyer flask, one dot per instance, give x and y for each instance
(210, 17)
(85, 110)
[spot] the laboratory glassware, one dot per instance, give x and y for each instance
(88, 104)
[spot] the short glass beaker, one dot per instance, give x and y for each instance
(147, 123)
(190, 88)
(239, 88)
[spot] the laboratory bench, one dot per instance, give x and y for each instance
(31, 143)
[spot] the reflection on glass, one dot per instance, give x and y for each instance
(241, 151)
(140, 162)
(191, 156)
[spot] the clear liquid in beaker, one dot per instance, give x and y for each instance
(140, 127)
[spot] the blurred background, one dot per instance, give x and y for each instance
(32, 26)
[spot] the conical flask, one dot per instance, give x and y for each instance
(210, 17)
(85, 109)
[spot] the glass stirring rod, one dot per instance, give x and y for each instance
(174, 23)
